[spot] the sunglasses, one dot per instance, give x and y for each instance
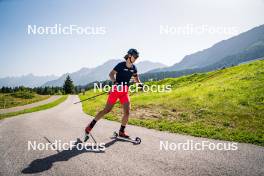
(135, 56)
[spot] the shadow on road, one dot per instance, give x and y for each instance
(43, 164)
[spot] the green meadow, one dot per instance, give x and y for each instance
(225, 104)
(35, 109)
(8, 100)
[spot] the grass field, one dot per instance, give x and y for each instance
(225, 104)
(8, 100)
(34, 109)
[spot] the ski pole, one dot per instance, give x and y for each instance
(90, 97)
(93, 138)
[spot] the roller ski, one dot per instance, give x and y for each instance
(125, 137)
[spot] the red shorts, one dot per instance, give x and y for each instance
(118, 92)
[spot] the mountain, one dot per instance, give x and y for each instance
(146, 66)
(238, 44)
(252, 53)
(87, 75)
(29, 80)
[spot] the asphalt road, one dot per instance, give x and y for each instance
(65, 123)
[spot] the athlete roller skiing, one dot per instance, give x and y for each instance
(120, 77)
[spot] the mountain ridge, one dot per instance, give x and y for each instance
(219, 50)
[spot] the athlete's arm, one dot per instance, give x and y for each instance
(112, 75)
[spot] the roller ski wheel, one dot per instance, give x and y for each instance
(136, 140)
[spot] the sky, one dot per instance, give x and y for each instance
(162, 30)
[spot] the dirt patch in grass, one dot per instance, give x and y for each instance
(161, 113)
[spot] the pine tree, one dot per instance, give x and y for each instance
(68, 86)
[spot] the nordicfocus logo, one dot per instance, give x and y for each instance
(59, 146)
(204, 145)
(58, 29)
(134, 88)
(191, 29)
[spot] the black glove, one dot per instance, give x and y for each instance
(140, 86)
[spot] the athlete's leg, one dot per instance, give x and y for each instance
(108, 107)
(126, 110)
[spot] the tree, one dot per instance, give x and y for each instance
(68, 86)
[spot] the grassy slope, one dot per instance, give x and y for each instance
(8, 101)
(225, 104)
(38, 108)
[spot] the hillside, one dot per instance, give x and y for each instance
(225, 104)
(241, 43)
(8, 100)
